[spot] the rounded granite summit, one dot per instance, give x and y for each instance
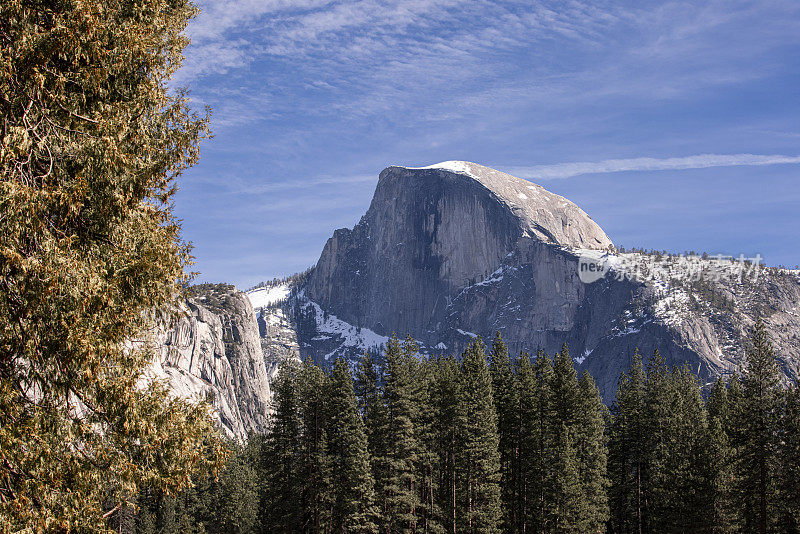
(546, 216)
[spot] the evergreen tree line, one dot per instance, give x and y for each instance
(486, 444)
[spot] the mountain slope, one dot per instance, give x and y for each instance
(453, 251)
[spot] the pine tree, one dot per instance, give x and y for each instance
(790, 461)
(351, 497)
(428, 511)
(658, 417)
(93, 141)
(592, 451)
(445, 400)
(564, 489)
(757, 419)
(281, 509)
(402, 498)
(477, 457)
(528, 417)
(313, 462)
(718, 460)
(504, 386)
(373, 410)
(627, 452)
(232, 502)
(564, 486)
(687, 465)
(535, 439)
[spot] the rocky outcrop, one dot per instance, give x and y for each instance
(456, 250)
(214, 351)
(431, 232)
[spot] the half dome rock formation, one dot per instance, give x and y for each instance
(431, 231)
(452, 251)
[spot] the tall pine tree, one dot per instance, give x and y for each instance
(504, 385)
(314, 467)
(428, 467)
(790, 461)
(719, 460)
(477, 456)
(368, 386)
(592, 451)
(281, 509)
(401, 489)
(445, 401)
(757, 419)
(628, 453)
(351, 497)
(536, 400)
(564, 489)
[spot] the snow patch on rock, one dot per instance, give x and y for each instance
(267, 296)
(351, 336)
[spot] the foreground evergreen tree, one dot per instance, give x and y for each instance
(790, 462)
(628, 453)
(564, 488)
(445, 401)
(314, 464)
(535, 439)
(402, 450)
(351, 497)
(374, 414)
(757, 418)
(477, 457)
(687, 474)
(527, 399)
(592, 452)
(281, 462)
(504, 386)
(92, 142)
(427, 467)
(719, 456)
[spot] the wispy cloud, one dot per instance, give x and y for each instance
(700, 161)
(311, 98)
(427, 61)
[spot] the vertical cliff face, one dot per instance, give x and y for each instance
(430, 232)
(215, 352)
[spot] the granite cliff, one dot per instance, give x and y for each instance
(214, 351)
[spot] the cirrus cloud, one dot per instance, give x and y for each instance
(699, 161)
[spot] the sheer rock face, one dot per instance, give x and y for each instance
(215, 351)
(430, 232)
(456, 250)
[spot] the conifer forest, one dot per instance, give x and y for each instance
(490, 443)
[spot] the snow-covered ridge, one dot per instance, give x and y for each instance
(267, 296)
(453, 165)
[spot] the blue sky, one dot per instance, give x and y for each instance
(675, 125)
